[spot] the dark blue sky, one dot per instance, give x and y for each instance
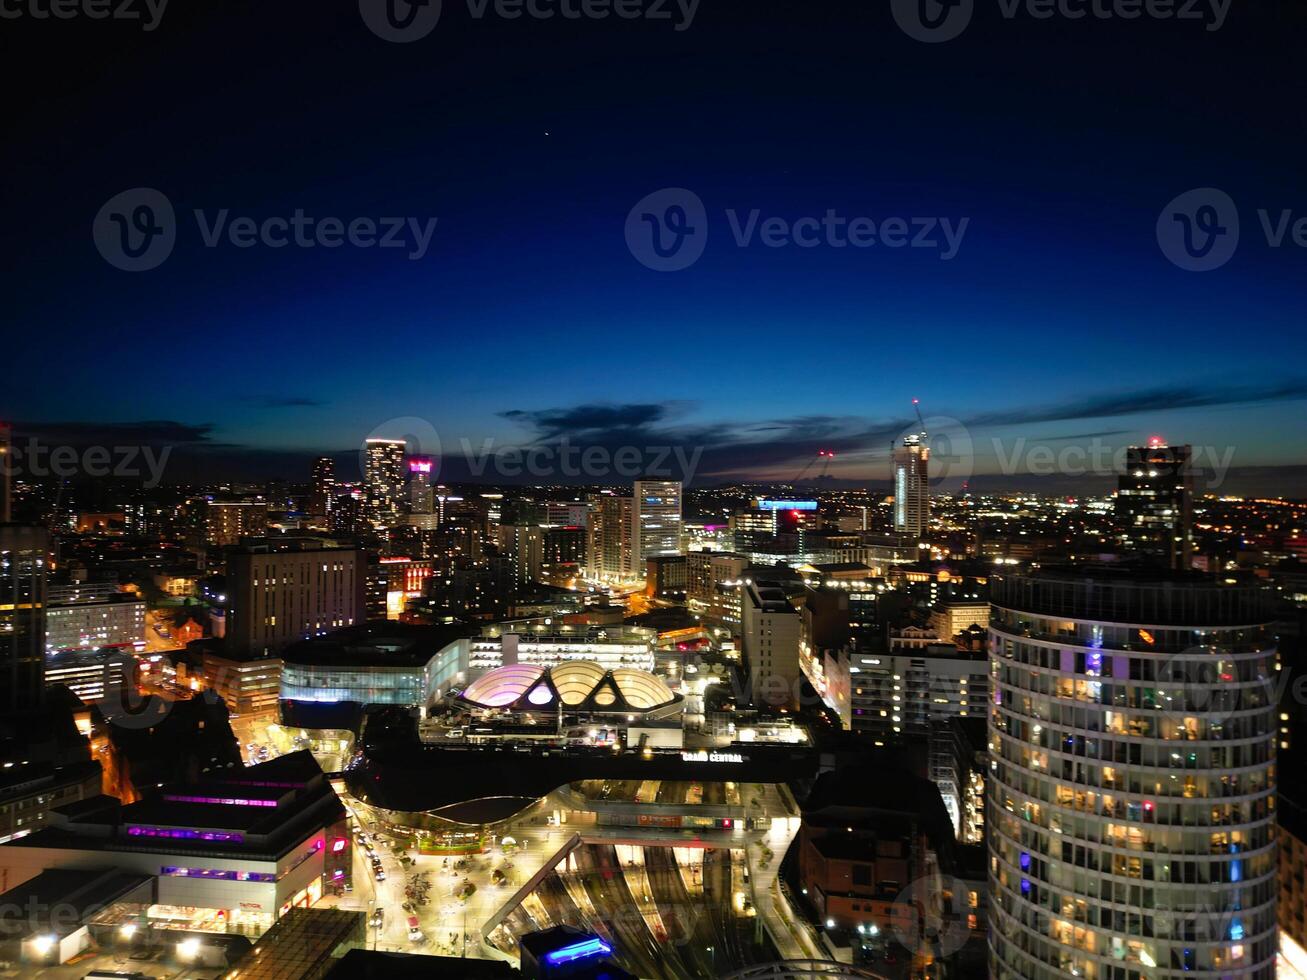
(530, 141)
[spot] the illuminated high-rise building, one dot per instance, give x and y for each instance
(227, 521)
(1154, 512)
(24, 563)
(421, 495)
(1131, 796)
(324, 486)
(384, 480)
(657, 518)
(912, 486)
(610, 543)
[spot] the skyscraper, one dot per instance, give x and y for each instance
(384, 479)
(610, 545)
(657, 519)
(421, 498)
(324, 486)
(1131, 793)
(1154, 512)
(912, 486)
(24, 560)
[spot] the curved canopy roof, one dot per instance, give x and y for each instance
(579, 684)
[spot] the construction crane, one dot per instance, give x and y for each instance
(822, 454)
(916, 403)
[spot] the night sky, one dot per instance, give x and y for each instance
(1058, 320)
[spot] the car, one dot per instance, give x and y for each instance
(379, 874)
(377, 919)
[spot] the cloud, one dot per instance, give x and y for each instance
(144, 433)
(587, 419)
(1167, 398)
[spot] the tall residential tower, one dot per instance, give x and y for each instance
(1131, 805)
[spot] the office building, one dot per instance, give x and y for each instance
(610, 544)
(712, 585)
(771, 632)
(92, 675)
(30, 790)
(323, 489)
(1154, 509)
(1131, 811)
(567, 512)
(228, 521)
(421, 494)
(283, 590)
(912, 486)
(92, 616)
(248, 684)
(383, 481)
(24, 566)
(657, 519)
(951, 618)
(665, 576)
(523, 545)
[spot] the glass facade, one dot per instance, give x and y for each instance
(1131, 791)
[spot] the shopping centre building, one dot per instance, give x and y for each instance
(399, 663)
(229, 854)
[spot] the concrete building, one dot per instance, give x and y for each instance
(712, 589)
(323, 489)
(610, 545)
(24, 566)
(248, 684)
(771, 631)
(227, 521)
(88, 617)
(1131, 818)
(1154, 505)
(657, 519)
(231, 853)
(283, 590)
(952, 618)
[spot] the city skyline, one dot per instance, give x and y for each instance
(1056, 307)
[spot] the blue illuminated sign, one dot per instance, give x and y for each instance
(787, 505)
(578, 951)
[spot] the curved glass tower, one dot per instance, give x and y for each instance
(1131, 792)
